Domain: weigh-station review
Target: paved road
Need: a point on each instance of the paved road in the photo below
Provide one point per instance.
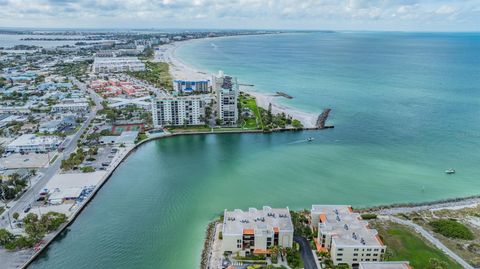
(433, 240)
(306, 252)
(30, 195)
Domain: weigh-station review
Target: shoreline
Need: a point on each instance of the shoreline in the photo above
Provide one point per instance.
(182, 71)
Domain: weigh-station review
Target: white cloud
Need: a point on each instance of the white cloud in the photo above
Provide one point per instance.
(446, 9)
(238, 13)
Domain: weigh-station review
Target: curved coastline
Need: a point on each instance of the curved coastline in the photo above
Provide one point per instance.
(182, 70)
(435, 204)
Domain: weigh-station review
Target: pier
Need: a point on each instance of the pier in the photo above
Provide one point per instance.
(247, 85)
(282, 94)
(322, 118)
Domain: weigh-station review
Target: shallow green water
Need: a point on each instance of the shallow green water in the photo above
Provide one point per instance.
(406, 107)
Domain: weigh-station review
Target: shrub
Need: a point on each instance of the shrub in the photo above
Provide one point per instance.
(451, 228)
(368, 216)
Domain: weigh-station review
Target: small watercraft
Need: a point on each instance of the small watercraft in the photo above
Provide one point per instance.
(310, 139)
(450, 171)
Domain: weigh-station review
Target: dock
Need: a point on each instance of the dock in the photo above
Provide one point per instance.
(322, 118)
(282, 94)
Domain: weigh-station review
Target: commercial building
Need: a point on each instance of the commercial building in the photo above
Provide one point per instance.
(186, 86)
(255, 231)
(33, 143)
(226, 90)
(178, 111)
(384, 265)
(345, 235)
(117, 64)
(70, 107)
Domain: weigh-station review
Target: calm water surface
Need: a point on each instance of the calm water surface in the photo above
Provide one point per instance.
(406, 107)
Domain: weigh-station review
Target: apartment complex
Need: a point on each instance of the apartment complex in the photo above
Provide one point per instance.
(71, 107)
(117, 64)
(226, 90)
(345, 235)
(179, 110)
(255, 231)
(187, 86)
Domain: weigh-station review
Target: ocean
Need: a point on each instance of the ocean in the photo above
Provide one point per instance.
(406, 106)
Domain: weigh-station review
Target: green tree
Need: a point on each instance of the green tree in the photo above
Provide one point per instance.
(15, 215)
(5, 237)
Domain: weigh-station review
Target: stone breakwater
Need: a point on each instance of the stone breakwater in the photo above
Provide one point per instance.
(208, 244)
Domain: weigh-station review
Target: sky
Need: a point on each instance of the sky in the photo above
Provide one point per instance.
(385, 15)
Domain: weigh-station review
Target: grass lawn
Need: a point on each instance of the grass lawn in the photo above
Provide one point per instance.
(251, 103)
(405, 245)
(189, 129)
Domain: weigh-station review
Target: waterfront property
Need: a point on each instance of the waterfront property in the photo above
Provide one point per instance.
(345, 236)
(187, 86)
(33, 143)
(117, 64)
(179, 111)
(256, 231)
(226, 90)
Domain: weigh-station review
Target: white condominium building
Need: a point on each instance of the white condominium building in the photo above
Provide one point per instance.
(226, 89)
(33, 143)
(255, 231)
(117, 64)
(384, 265)
(345, 235)
(179, 110)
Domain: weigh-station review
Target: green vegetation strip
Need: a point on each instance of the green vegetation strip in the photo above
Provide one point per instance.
(155, 73)
(404, 245)
(452, 229)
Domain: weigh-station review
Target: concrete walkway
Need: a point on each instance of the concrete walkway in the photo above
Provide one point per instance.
(432, 240)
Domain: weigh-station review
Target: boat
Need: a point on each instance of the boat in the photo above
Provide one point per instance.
(450, 171)
(310, 139)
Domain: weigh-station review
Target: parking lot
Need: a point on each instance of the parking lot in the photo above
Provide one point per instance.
(31, 160)
(103, 158)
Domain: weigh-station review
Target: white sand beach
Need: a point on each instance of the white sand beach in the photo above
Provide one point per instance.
(181, 70)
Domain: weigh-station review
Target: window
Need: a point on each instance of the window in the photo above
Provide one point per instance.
(339, 249)
(355, 260)
(355, 254)
(340, 254)
(367, 260)
(355, 249)
(368, 254)
(339, 259)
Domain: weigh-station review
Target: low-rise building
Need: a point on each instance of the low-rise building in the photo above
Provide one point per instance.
(343, 234)
(179, 110)
(256, 231)
(33, 143)
(117, 64)
(70, 107)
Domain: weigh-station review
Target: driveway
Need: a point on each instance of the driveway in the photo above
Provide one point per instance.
(306, 252)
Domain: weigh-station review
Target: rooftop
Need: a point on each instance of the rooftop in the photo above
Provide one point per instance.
(256, 221)
(347, 228)
(384, 265)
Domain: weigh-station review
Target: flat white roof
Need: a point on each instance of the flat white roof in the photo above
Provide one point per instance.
(33, 140)
(384, 265)
(65, 193)
(258, 220)
(346, 227)
(75, 180)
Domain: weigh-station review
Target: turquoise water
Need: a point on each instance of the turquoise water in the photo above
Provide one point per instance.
(405, 108)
